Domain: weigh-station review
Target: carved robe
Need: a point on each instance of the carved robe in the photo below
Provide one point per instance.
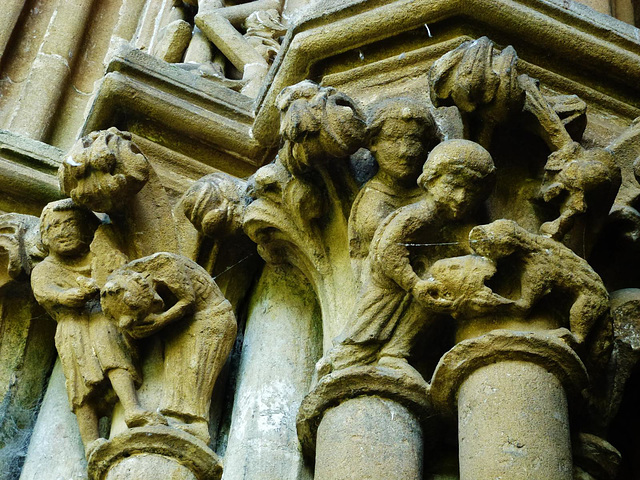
(88, 343)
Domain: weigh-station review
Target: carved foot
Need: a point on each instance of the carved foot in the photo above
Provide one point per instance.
(143, 418)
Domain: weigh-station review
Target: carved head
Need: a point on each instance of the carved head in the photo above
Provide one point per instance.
(66, 228)
(402, 131)
(128, 297)
(215, 204)
(317, 122)
(458, 174)
(498, 239)
(104, 170)
(460, 281)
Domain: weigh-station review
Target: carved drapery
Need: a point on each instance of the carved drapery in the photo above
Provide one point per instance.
(477, 236)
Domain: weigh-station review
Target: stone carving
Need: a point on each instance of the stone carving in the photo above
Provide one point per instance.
(173, 295)
(457, 175)
(307, 185)
(215, 205)
(401, 133)
(107, 307)
(91, 348)
(104, 170)
(20, 247)
(489, 91)
(537, 257)
(251, 52)
(481, 82)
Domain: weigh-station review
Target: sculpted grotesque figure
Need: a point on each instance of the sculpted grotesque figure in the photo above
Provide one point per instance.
(538, 258)
(172, 296)
(457, 176)
(93, 351)
(402, 131)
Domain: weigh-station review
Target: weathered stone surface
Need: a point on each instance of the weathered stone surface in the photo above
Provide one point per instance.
(435, 196)
(369, 434)
(273, 378)
(513, 422)
(162, 450)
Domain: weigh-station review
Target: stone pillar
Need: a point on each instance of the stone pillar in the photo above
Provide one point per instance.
(511, 391)
(282, 342)
(365, 422)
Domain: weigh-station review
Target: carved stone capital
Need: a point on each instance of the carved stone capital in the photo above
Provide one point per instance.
(165, 451)
(546, 349)
(409, 390)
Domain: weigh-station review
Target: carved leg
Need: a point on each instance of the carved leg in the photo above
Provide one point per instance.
(134, 414)
(88, 425)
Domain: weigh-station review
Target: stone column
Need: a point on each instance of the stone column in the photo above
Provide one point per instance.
(511, 390)
(365, 422)
(282, 342)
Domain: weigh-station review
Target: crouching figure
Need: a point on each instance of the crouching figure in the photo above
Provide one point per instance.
(172, 296)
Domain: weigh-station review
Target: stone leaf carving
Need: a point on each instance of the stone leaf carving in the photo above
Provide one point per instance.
(215, 205)
(481, 82)
(489, 91)
(106, 172)
(173, 297)
(301, 201)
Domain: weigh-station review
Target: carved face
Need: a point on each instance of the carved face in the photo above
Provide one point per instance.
(66, 233)
(128, 298)
(400, 148)
(456, 194)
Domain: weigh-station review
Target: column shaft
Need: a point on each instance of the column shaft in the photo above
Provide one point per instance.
(513, 424)
(369, 437)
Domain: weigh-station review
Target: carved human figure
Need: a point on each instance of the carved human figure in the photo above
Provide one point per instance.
(457, 176)
(402, 131)
(172, 296)
(220, 23)
(92, 349)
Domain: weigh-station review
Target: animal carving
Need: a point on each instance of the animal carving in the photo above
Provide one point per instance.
(546, 266)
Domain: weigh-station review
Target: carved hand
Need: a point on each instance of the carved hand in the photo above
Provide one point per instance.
(146, 327)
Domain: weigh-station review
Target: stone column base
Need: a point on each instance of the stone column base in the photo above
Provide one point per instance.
(154, 452)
